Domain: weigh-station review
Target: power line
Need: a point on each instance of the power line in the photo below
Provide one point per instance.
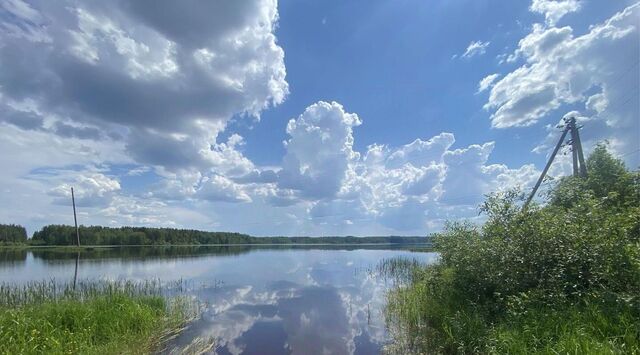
(631, 152)
(619, 104)
(619, 76)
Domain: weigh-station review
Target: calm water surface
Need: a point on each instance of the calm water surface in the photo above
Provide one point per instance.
(256, 300)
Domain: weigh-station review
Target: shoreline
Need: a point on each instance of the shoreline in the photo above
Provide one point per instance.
(92, 247)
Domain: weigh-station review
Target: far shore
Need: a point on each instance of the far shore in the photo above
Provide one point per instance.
(90, 247)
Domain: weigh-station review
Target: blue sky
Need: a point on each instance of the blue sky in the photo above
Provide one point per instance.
(391, 63)
(301, 117)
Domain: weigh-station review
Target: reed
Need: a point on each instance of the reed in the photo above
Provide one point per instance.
(94, 317)
(397, 269)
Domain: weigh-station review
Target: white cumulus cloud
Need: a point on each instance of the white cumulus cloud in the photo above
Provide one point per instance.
(319, 151)
(92, 189)
(413, 187)
(597, 69)
(554, 10)
(560, 68)
(147, 72)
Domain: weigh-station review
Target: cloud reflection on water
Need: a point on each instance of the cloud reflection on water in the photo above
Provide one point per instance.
(264, 301)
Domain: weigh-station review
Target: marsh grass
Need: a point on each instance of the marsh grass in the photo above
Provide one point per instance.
(12, 295)
(99, 317)
(397, 269)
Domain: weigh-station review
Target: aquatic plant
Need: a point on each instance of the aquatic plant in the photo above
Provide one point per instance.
(397, 269)
(89, 317)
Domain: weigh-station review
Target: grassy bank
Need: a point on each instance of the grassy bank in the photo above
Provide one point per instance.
(559, 278)
(90, 318)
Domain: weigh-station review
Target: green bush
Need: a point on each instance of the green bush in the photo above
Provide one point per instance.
(559, 278)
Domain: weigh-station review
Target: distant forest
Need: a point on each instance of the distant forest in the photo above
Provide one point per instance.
(97, 235)
(12, 234)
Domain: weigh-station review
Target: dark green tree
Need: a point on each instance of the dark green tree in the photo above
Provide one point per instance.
(12, 234)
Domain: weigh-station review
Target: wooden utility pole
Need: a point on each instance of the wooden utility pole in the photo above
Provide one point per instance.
(75, 219)
(574, 153)
(579, 167)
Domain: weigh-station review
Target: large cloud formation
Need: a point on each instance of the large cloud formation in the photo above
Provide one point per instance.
(154, 72)
(105, 96)
(319, 151)
(150, 83)
(160, 82)
(597, 70)
(404, 188)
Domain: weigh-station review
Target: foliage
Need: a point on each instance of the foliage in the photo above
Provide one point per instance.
(95, 317)
(558, 278)
(97, 235)
(608, 180)
(12, 234)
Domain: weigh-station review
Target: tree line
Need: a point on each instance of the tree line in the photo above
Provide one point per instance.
(98, 235)
(12, 234)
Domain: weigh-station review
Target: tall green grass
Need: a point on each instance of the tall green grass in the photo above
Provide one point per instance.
(397, 269)
(429, 316)
(91, 317)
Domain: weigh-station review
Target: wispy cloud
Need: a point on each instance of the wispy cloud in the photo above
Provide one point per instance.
(475, 48)
(487, 82)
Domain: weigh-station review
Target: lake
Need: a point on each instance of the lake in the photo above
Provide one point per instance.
(254, 300)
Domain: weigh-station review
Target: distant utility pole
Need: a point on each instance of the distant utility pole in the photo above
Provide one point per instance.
(579, 166)
(75, 219)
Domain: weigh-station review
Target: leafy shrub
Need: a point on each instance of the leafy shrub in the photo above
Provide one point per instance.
(563, 277)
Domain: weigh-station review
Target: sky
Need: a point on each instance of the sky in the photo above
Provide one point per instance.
(300, 117)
